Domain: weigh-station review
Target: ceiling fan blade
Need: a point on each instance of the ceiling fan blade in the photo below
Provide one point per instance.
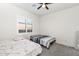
(48, 3)
(46, 7)
(39, 7)
(40, 3)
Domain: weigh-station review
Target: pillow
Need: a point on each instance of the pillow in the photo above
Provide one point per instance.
(20, 37)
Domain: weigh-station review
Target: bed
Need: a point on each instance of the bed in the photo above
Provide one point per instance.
(44, 40)
(21, 47)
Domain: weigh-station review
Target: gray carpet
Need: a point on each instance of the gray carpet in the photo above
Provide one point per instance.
(59, 50)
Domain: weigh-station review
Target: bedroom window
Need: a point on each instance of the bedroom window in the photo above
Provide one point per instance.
(28, 25)
(21, 25)
(24, 25)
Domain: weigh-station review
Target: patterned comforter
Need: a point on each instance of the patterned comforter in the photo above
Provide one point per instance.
(19, 48)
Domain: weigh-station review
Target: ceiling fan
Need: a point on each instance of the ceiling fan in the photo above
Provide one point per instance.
(43, 5)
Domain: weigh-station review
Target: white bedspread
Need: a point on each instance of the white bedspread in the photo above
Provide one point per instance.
(46, 41)
(19, 48)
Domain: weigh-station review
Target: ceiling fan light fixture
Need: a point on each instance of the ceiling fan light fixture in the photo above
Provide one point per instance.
(43, 6)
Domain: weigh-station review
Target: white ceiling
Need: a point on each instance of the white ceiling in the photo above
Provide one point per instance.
(31, 7)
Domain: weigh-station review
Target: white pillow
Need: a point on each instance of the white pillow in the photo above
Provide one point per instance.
(18, 38)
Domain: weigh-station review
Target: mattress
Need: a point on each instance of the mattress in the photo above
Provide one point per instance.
(19, 48)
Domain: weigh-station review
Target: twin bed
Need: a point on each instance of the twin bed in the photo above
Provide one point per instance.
(21, 47)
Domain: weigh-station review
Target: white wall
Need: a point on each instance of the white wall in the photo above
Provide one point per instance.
(8, 16)
(63, 25)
